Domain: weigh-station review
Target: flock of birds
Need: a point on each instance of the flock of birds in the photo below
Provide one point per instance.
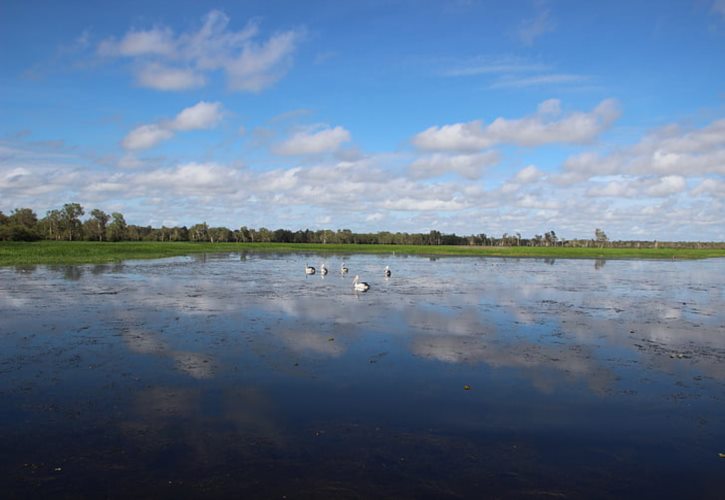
(357, 285)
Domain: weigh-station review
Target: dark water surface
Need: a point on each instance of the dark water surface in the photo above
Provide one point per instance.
(239, 376)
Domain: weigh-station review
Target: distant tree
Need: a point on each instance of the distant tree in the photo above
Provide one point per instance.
(600, 237)
(117, 229)
(180, 234)
(434, 237)
(21, 225)
(550, 238)
(243, 234)
(51, 225)
(3, 218)
(71, 221)
(95, 227)
(23, 217)
(199, 232)
(220, 235)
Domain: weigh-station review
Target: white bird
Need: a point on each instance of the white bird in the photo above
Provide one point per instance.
(343, 269)
(360, 286)
(387, 271)
(323, 269)
(309, 269)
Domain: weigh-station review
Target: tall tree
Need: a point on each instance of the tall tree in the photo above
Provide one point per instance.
(97, 224)
(71, 214)
(600, 237)
(117, 229)
(52, 225)
(23, 217)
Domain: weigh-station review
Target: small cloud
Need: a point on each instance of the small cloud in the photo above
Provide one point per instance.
(156, 41)
(528, 174)
(146, 136)
(309, 142)
(160, 77)
(261, 65)
(668, 185)
(202, 115)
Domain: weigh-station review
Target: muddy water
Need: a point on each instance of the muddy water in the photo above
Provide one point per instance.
(237, 375)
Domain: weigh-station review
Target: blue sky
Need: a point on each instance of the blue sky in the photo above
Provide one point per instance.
(462, 116)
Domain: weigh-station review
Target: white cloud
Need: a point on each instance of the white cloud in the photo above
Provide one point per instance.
(535, 130)
(167, 61)
(614, 189)
(313, 142)
(202, 115)
(669, 151)
(192, 179)
(528, 174)
(665, 186)
(261, 65)
(146, 136)
(156, 41)
(470, 166)
(710, 187)
(160, 77)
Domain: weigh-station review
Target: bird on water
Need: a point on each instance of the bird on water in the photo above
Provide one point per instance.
(309, 269)
(360, 286)
(387, 272)
(323, 269)
(343, 269)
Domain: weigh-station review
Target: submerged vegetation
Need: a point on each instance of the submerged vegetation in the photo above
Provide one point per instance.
(81, 252)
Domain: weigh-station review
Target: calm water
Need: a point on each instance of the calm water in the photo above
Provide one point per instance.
(239, 376)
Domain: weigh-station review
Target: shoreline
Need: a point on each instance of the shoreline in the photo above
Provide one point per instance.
(89, 252)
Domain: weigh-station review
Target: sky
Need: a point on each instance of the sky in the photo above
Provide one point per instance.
(461, 116)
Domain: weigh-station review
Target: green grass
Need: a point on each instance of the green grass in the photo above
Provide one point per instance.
(86, 252)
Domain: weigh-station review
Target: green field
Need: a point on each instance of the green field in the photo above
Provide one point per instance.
(86, 252)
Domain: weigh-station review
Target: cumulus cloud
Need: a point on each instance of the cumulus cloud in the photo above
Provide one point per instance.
(470, 166)
(197, 179)
(146, 136)
(669, 151)
(667, 185)
(528, 174)
(164, 60)
(203, 115)
(313, 141)
(544, 127)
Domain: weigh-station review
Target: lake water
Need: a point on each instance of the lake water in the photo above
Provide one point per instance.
(237, 375)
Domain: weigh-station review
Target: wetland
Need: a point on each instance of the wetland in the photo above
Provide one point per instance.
(237, 375)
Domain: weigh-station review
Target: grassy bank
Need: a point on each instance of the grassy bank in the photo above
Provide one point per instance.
(86, 252)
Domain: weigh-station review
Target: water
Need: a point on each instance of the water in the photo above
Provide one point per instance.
(237, 375)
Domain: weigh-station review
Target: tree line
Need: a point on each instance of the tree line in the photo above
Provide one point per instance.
(66, 223)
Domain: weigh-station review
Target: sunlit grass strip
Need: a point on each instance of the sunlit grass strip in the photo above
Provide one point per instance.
(87, 252)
